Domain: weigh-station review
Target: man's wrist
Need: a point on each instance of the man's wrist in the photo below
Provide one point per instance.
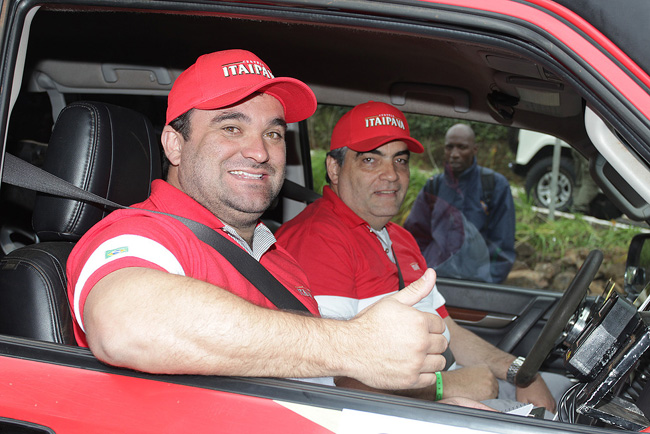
(513, 369)
(438, 386)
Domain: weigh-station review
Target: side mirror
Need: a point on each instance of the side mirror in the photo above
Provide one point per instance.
(637, 269)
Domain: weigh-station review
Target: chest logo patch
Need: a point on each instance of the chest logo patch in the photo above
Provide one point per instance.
(415, 266)
(303, 291)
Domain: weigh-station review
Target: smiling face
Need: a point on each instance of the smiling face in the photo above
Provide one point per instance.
(233, 162)
(373, 184)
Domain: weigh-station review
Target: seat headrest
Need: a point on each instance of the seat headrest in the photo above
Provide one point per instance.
(105, 149)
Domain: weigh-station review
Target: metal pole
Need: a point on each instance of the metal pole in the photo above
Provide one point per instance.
(555, 171)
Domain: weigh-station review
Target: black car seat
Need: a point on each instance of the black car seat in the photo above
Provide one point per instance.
(108, 150)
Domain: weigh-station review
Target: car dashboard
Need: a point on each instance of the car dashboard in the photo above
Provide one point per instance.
(608, 358)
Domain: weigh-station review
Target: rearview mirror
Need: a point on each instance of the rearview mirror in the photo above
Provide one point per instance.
(637, 270)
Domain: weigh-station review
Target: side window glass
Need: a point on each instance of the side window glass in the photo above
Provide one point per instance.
(462, 218)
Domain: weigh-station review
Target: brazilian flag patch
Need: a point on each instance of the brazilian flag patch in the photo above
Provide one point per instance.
(113, 252)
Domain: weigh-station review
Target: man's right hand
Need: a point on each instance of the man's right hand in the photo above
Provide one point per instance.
(474, 382)
(399, 346)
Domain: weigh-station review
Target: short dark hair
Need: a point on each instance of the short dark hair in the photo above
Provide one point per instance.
(182, 125)
(338, 155)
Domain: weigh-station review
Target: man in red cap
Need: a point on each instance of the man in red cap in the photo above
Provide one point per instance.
(147, 294)
(354, 255)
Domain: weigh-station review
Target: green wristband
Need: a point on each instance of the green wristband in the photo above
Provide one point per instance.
(438, 386)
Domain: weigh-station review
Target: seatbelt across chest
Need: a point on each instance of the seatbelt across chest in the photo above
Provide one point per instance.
(252, 270)
(22, 174)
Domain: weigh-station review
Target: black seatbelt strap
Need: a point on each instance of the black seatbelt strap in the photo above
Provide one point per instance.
(399, 272)
(252, 270)
(22, 174)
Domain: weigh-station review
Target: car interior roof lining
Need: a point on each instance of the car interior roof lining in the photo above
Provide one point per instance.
(478, 50)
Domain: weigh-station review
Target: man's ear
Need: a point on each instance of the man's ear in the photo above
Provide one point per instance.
(172, 143)
(333, 170)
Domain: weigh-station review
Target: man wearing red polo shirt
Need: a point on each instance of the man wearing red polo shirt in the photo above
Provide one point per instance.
(354, 255)
(147, 294)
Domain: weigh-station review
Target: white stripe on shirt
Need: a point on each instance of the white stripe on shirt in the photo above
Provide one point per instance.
(120, 247)
(337, 307)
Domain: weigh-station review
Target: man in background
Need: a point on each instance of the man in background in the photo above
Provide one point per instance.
(464, 218)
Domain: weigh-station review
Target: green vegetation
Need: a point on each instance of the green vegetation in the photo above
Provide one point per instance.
(318, 169)
(551, 239)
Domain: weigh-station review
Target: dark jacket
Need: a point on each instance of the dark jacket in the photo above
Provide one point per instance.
(440, 233)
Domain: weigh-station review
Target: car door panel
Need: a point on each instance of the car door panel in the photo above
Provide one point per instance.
(47, 387)
(508, 317)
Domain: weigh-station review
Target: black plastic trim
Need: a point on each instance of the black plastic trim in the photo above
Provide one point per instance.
(14, 426)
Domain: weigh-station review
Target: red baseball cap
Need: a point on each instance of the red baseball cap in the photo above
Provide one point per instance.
(371, 125)
(226, 77)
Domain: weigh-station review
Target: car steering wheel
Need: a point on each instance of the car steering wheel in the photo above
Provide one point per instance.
(566, 306)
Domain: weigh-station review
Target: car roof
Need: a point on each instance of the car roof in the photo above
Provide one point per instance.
(622, 24)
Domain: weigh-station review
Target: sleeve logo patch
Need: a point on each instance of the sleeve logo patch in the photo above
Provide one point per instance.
(115, 252)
